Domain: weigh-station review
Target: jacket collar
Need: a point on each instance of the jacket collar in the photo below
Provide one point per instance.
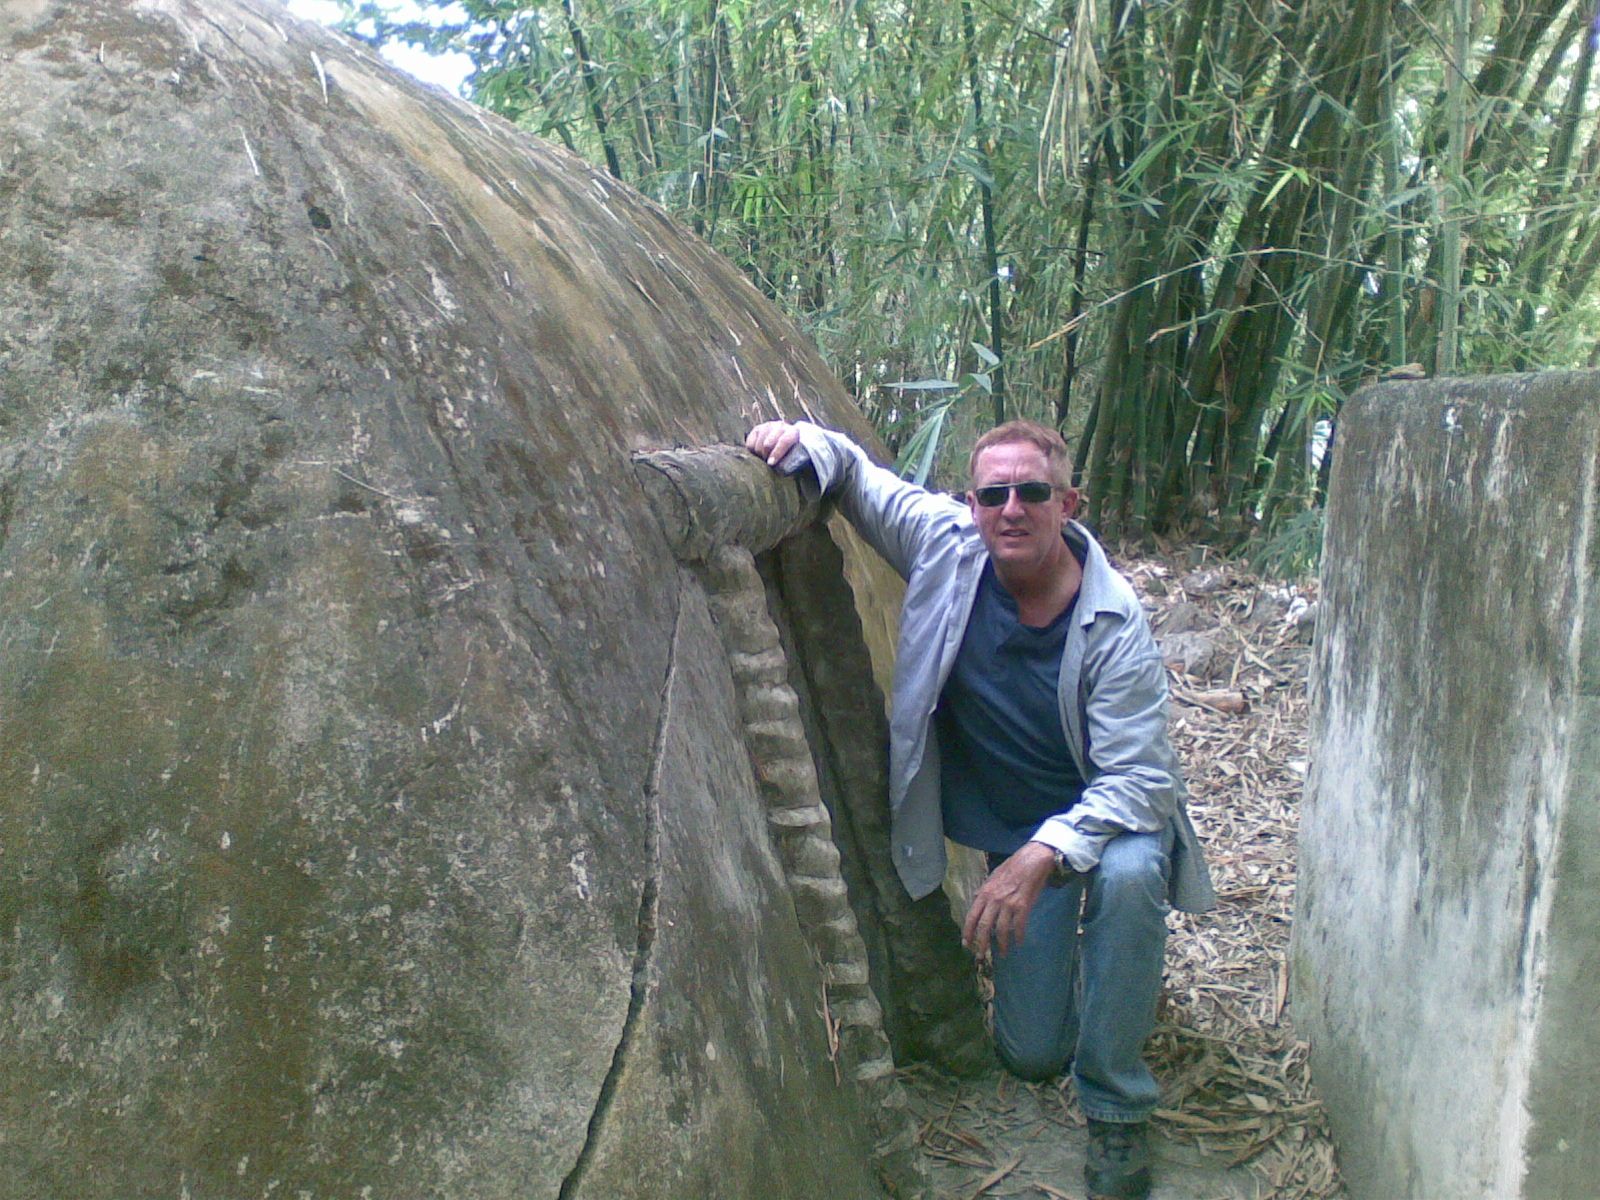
(1102, 589)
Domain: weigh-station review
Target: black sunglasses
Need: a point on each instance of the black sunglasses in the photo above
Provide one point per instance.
(1032, 492)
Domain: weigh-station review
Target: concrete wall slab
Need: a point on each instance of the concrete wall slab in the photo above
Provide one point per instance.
(1448, 924)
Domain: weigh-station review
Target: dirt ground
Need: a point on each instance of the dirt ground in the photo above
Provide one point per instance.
(1239, 1119)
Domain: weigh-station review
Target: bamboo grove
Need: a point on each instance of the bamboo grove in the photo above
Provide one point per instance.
(1181, 231)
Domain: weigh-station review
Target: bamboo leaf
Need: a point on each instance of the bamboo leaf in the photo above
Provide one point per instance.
(1296, 173)
(916, 460)
(1140, 165)
(923, 385)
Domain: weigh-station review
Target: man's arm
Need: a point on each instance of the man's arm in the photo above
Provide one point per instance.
(1135, 786)
(899, 519)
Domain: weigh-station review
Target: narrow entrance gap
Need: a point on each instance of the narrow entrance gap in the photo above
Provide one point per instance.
(922, 977)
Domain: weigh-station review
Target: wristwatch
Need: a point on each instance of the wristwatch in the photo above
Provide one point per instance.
(1063, 869)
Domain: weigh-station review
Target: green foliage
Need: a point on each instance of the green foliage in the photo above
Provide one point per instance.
(1293, 550)
(1182, 233)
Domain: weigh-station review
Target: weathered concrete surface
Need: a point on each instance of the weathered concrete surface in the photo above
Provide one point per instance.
(1447, 939)
(371, 803)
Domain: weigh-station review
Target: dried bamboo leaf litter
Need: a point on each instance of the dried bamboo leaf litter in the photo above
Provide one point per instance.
(1235, 1078)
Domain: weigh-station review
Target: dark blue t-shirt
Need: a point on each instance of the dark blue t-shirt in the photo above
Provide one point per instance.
(1003, 754)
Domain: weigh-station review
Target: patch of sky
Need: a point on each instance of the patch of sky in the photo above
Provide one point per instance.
(448, 71)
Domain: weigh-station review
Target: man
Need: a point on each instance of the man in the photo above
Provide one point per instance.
(1029, 721)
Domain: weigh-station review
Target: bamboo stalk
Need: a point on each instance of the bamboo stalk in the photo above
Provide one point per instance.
(591, 85)
(1452, 196)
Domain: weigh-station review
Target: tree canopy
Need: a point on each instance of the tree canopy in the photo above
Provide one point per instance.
(1181, 232)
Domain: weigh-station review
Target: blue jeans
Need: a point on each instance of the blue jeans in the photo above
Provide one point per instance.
(1089, 997)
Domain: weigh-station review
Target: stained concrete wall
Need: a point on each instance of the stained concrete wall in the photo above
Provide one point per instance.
(1447, 939)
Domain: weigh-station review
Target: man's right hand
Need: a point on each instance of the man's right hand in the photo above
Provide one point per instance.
(999, 913)
(772, 440)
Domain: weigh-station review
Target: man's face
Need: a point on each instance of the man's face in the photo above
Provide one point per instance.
(1019, 534)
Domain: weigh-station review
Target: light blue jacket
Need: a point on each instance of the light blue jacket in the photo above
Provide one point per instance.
(1112, 691)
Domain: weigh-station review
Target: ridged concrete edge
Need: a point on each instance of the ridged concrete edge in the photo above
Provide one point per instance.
(802, 834)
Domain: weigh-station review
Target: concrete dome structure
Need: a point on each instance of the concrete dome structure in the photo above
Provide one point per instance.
(377, 813)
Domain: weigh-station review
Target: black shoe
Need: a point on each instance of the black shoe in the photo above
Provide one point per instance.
(1118, 1167)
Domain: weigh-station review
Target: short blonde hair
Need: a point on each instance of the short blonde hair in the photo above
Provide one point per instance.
(1045, 439)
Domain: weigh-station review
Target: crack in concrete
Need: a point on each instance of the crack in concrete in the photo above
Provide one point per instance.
(649, 902)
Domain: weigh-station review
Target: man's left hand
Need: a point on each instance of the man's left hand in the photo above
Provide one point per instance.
(1000, 909)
